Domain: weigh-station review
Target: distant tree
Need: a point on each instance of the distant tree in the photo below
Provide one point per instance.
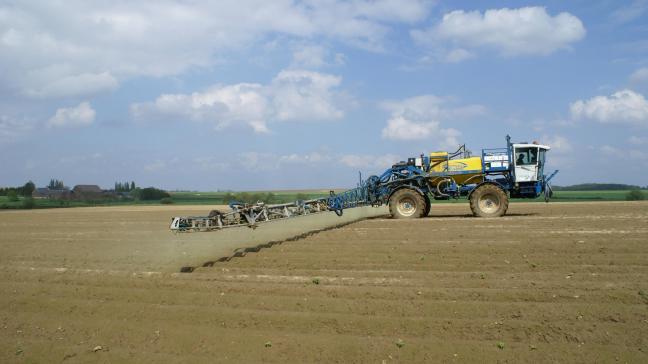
(136, 193)
(12, 195)
(228, 197)
(243, 197)
(635, 195)
(28, 188)
(152, 193)
(255, 197)
(55, 184)
(124, 186)
(596, 187)
(269, 198)
(28, 203)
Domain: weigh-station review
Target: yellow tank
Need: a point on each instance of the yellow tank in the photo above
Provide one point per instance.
(460, 169)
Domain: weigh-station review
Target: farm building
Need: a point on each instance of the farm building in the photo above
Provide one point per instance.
(42, 192)
(87, 192)
(45, 192)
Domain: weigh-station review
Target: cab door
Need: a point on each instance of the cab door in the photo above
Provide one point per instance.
(541, 161)
(526, 164)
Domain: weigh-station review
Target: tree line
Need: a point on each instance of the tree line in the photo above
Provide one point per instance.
(56, 184)
(125, 186)
(267, 197)
(24, 190)
(598, 187)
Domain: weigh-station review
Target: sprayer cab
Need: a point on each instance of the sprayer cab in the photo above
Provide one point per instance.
(529, 162)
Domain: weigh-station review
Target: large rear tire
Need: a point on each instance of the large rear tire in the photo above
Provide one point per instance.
(428, 206)
(406, 204)
(489, 200)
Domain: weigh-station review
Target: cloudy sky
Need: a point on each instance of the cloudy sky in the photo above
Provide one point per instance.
(256, 94)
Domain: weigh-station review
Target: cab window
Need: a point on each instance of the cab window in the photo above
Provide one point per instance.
(526, 156)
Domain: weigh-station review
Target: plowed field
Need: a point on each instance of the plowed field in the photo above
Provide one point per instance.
(564, 282)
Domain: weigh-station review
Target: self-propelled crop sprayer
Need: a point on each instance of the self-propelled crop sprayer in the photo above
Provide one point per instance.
(408, 188)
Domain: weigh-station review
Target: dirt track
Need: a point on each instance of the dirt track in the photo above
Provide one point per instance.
(548, 283)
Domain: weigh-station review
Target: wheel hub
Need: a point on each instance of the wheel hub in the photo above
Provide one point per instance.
(489, 203)
(406, 207)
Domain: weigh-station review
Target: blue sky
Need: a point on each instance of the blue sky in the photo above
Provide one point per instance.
(304, 94)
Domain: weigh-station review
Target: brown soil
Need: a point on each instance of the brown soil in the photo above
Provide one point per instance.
(137, 238)
(547, 283)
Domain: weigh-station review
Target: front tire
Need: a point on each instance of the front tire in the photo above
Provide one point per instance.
(489, 200)
(406, 204)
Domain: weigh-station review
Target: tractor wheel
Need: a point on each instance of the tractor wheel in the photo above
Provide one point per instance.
(488, 201)
(406, 204)
(428, 205)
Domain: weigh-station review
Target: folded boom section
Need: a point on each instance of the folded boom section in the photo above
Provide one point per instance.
(251, 215)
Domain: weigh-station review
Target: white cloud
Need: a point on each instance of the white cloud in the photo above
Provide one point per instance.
(630, 12)
(305, 95)
(559, 144)
(637, 140)
(309, 158)
(420, 117)
(222, 105)
(11, 129)
(640, 75)
(522, 31)
(623, 154)
(293, 95)
(78, 159)
(458, 55)
(399, 128)
(57, 49)
(369, 161)
(389, 10)
(80, 115)
(312, 56)
(211, 164)
(82, 84)
(255, 161)
(315, 56)
(561, 155)
(339, 59)
(624, 106)
(607, 149)
(155, 166)
(432, 107)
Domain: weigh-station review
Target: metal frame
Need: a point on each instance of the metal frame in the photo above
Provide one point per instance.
(250, 215)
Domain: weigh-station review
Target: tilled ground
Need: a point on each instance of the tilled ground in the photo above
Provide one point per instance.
(547, 283)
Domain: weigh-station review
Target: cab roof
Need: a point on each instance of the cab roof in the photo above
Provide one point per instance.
(525, 145)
